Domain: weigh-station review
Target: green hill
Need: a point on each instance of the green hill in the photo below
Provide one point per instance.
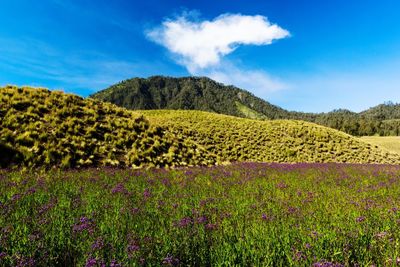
(239, 139)
(200, 93)
(39, 127)
(188, 93)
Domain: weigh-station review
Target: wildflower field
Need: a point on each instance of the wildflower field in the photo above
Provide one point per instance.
(247, 214)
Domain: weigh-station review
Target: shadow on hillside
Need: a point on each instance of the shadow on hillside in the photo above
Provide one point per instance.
(8, 155)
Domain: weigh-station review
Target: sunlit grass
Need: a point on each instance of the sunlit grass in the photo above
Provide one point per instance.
(390, 143)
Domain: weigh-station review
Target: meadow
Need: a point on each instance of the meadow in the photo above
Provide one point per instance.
(390, 143)
(243, 214)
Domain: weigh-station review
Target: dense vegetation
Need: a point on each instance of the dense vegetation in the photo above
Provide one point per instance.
(238, 215)
(205, 94)
(239, 139)
(43, 128)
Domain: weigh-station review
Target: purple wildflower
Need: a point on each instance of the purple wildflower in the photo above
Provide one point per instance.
(135, 210)
(327, 264)
(84, 224)
(119, 188)
(98, 244)
(170, 261)
(16, 197)
(26, 262)
(146, 193)
(282, 185)
(30, 191)
(360, 219)
(184, 222)
(3, 255)
(114, 263)
(91, 262)
(202, 219)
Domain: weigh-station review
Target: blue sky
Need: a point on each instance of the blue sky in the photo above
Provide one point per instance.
(301, 55)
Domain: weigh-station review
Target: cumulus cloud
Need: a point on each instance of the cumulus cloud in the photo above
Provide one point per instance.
(199, 45)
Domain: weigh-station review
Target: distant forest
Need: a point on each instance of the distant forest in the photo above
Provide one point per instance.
(201, 93)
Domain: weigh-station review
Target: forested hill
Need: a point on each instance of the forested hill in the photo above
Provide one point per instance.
(189, 93)
(201, 93)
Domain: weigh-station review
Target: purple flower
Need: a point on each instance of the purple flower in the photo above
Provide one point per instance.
(98, 244)
(264, 217)
(282, 185)
(360, 219)
(30, 191)
(91, 262)
(48, 206)
(3, 255)
(202, 219)
(135, 210)
(84, 224)
(26, 262)
(184, 222)
(114, 263)
(146, 193)
(327, 264)
(119, 188)
(16, 197)
(170, 261)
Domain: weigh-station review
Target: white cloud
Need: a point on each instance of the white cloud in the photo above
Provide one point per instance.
(202, 44)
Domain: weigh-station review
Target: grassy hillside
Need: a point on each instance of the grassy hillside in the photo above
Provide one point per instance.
(238, 139)
(39, 127)
(390, 143)
(43, 128)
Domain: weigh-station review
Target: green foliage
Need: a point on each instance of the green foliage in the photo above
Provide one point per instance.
(193, 93)
(46, 128)
(239, 139)
(237, 215)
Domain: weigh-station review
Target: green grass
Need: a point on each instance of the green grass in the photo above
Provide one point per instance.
(248, 112)
(239, 139)
(237, 215)
(390, 143)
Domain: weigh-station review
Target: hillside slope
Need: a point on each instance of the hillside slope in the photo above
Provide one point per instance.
(239, 139)
(39, 127)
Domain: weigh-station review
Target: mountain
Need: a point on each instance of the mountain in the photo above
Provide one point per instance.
(188, 93)
(42, 128)
(201, 93)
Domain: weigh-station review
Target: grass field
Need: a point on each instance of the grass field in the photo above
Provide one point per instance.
(243, 214)
(238, 139)
(390, 143)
